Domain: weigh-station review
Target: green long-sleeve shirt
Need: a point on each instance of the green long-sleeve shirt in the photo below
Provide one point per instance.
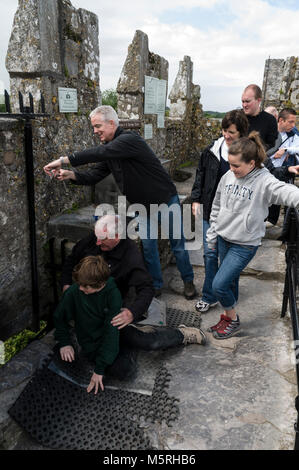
(92, 315)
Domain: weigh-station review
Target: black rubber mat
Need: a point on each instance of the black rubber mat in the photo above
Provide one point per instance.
(175, 317)
(59, 414)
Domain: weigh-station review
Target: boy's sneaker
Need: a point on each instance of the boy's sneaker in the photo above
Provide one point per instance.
(225, 328)
(202, 306)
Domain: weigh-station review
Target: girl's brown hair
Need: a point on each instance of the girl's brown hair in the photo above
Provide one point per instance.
(250, 148)
(92, 271)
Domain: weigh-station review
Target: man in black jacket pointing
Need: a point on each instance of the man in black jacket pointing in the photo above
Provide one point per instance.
(140, 177)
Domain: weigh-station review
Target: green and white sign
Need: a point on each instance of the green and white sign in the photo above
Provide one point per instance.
(68, 100)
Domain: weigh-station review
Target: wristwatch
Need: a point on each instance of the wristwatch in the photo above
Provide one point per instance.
(61, 161)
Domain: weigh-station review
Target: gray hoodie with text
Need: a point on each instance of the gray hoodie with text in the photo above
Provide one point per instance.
(240, 206)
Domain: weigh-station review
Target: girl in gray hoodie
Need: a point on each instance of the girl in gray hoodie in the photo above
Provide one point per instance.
(239, 210)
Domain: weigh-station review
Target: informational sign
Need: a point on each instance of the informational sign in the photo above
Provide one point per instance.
(160, 121)
(150, 93)
(154, 95)
(161, 96)
(148, 131)
(68, 100)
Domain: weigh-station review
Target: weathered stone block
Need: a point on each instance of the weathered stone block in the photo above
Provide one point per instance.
(130, 88)
(281, 83)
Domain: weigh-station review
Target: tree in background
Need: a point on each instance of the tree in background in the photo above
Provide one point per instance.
(109, 97)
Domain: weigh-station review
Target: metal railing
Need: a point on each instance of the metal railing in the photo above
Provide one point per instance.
(290, 236)
(27, 114)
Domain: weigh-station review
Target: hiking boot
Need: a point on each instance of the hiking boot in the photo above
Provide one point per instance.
(192, 335)
(223, 319)
(226, 328)
(202, 306)
(189, 290)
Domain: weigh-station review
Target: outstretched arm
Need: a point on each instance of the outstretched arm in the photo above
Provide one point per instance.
(51, 169)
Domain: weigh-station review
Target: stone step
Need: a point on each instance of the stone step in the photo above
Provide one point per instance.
(73, 226)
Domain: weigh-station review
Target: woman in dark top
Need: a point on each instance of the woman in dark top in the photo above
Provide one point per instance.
(213, 164)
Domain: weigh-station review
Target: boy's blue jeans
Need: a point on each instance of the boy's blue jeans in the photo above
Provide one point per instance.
(177, 244)
(233, 259)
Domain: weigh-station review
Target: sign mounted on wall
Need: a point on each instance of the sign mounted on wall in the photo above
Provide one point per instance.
(154, 95)
(68, 100)
(148, 131)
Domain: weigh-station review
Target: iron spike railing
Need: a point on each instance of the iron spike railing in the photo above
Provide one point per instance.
(27, 114)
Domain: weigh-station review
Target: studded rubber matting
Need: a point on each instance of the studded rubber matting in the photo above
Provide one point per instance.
(175, 317)
(60, 414)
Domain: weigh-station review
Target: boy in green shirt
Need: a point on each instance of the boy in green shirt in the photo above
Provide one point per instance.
(91, 302)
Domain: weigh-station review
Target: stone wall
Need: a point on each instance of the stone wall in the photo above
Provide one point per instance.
(281, 83)
(186, 131)
(52, 45)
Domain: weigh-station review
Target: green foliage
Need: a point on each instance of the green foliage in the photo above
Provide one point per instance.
(2, 108)
(109, 97)
(213, 114)
(18, 342)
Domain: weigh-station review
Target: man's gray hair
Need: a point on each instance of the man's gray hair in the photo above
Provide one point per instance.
(107, 112)
(109, 226)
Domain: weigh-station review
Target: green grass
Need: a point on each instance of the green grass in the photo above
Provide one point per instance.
(214, 114)
(18, 342)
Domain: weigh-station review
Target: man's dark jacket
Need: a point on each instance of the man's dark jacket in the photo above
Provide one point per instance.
(138, 172)
(126, 266)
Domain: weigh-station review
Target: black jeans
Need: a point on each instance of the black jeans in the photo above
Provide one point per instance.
(151, 338)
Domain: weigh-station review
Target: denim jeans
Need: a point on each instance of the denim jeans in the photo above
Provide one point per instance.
(211, 267)
(233, 259)
(177, 244)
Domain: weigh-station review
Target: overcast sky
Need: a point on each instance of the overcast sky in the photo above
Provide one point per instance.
(227, 40)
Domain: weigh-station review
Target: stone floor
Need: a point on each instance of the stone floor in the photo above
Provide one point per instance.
(233, 394)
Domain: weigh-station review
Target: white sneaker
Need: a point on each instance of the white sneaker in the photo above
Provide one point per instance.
(202, 306)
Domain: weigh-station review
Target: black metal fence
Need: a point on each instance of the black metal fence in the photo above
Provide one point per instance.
(27, 114)
(290, 236)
